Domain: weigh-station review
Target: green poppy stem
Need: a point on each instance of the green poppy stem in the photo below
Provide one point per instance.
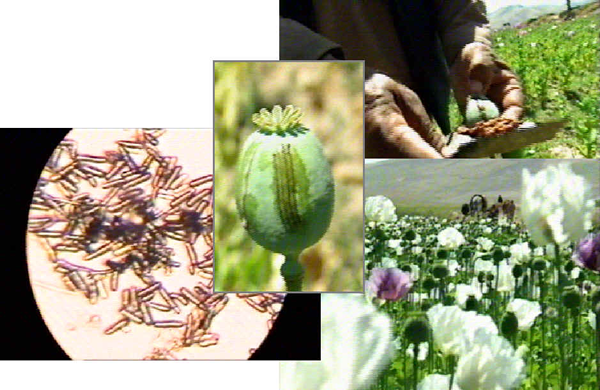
(597, 343)
(543, 304)
(415, 366)
(451, 372)
(561, 319)
(574, 353)
(292, 272)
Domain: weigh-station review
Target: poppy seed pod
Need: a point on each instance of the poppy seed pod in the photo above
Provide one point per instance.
(429, 283)
(539, 264)
(480, 108)
(410, 235)
(498, 255)
(509, 324)
(285, 188)
(471, 304)
(517, 271)
(571, 298)
(416, 330)
(440, 271)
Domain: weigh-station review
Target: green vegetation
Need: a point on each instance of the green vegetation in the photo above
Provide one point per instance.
(557, 62)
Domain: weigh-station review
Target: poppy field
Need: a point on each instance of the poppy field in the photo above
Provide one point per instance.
(556, 59)
(483, 301)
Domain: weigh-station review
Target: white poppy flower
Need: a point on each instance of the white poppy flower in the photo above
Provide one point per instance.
(525, 311)
(483, 265)
(520, 252)
(387, 262)
(522, 351)
(450, 238)
(356, 344)
(481, 287)
(437, 382)
(393, 243)
(452, 327)
(453, 267)
(416, 250)
(418, 297)
(591, 317)
(487, 230)
(447, 327)
(485, 243)
(380, 209)
(539, 251)
(555, 205)
(506, 280)
(490, 364)
(464, 291)
(575, 272)
(415, 272)
(422, 353)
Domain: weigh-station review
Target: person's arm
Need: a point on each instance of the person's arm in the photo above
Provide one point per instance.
(474, 69)
(298, 42)
(397, 125)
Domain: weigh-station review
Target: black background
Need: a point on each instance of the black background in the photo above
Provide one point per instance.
(24, 335)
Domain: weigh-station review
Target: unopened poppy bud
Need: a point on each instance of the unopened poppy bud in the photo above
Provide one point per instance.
(429, 284)
(517, 271)
(571, 297)
(440, 271)
(539, 264)
(410, 235)
(509, 324)
(498, 255)
(481, 277)
(416, 330)
(471, 304)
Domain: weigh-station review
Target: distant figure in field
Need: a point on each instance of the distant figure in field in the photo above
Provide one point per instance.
(478, 204)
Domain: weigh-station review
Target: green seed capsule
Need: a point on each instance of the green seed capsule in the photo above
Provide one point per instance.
(480, 108)
(285, 188)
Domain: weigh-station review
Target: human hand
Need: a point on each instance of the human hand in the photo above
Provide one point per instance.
(397, 125)
(477, 71)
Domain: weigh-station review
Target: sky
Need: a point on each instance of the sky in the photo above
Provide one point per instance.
(493, 5)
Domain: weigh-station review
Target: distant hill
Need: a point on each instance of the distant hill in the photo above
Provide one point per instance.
(515, 14)
(439, 187)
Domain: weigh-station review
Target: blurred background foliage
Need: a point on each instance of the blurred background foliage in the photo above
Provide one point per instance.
(330, 95)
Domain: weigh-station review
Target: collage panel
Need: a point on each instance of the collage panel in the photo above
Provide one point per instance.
(453, 79)
(120, 254)
(479, 275)
(289, 176)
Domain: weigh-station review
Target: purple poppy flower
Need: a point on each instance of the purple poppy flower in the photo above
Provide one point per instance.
(389, 283)
(587, 253)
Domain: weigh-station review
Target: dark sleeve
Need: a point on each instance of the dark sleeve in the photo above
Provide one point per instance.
(297, 42)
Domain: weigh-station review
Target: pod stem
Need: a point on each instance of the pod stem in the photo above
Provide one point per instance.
(292, 272)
